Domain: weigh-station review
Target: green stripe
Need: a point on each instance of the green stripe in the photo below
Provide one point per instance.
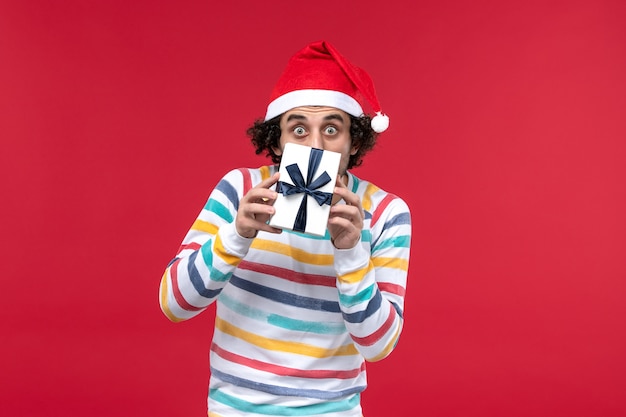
(394, 242)
(366, 235)
(306, 326)
(309, 236)
(281, 321)
(207, 256)
(277, 410)
(219, 209)
(355, 183)
(352, 300)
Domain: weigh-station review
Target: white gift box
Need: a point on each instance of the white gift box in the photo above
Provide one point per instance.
(298, 205)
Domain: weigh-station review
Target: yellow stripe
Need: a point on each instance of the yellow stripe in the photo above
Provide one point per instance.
(367, 196)
(388, 348)
(203, 226)
(297, 254)
(282, 346)
(355, 276)
(397, 263)
(225, 256)
(164, 305)
(212, 414)
(265, 172)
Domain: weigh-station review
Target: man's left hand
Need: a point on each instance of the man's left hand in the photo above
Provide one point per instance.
(346, 220)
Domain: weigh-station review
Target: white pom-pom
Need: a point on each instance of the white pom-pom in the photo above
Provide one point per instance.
(380, 122)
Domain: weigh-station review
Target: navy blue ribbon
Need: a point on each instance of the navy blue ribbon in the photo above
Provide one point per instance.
(310, 187)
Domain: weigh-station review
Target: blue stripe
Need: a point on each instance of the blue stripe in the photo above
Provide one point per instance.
(281, 321)
(398, 309)
(286, 391)
(285, 297)
(196, 280)
(229, 191)
(397, 220)
(372, 307)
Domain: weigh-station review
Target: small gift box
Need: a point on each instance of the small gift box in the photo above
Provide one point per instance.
(305, 189)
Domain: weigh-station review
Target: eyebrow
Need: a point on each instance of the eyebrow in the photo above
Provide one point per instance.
(333, 116)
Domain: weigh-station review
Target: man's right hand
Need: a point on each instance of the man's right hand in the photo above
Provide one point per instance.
(256, 208)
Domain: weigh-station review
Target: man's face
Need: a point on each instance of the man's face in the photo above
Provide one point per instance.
(319, 127)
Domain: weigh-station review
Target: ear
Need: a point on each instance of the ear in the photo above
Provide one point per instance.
(277, 151)
(354, 149)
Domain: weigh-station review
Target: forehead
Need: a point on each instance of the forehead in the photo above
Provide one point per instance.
(315, 112)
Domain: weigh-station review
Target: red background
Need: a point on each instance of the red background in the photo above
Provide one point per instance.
(507, 140)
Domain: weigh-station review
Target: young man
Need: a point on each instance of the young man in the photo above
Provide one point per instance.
(298, 315)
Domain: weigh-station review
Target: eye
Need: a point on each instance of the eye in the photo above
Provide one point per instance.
(299, 131)
(330, 130)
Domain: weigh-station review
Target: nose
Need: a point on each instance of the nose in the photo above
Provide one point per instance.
(315, 140)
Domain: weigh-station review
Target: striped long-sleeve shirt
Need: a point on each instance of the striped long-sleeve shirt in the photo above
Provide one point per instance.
(296, 318)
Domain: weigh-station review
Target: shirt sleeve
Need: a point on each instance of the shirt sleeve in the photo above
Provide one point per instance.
(372, 284)
(208, 255)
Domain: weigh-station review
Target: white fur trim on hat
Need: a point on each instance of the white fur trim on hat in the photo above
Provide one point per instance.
(300, 98)
(380, 122)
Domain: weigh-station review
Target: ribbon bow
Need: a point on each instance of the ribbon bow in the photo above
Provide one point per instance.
(310, 187)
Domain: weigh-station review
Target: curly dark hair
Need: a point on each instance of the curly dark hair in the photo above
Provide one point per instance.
(265, 135)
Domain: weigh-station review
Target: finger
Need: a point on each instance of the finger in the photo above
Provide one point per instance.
(342, 222)
(261, 196)
(250, 227)
(253, 217)
(261, 192)
(353, 217)
(343, 233)
(353, 214)
(261, 211)
(348, 196)
(270, 229)
(268, 182)
(258, 224)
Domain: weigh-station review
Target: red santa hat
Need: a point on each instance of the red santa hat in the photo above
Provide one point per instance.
(318, 75)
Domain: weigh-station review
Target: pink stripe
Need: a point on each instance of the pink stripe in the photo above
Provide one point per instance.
(289, 275)
(192, 246)
(283, 370)
(375, 337)
(177, 294)
(392, 288)
(247, 180)
(381, 207)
